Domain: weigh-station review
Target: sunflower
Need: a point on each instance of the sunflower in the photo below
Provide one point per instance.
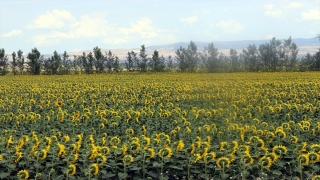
(269, 136)
(272, 156)
(145, 142)
(1, 157)
(209, 157)
(315, 148)
(150, 153)
(23, 174)
(17, 156)
(101, 159)
(196, 157)
(72, 170)
(313, 157)
(303, 159)
(316, 177)
(62, 150)
(129, 132)
(280, 133)
(114, 141)
(223, 162)
(105, 150)
(223, 145)
(94, 169)
(246, 159)
(279, 150)
(58, 103)
(20, 143)
(293, 139)
(180, 145)
(73, 158)
(265, 162)
(43, 154)
(165, 152)
(127, 160)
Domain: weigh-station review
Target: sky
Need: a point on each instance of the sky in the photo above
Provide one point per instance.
(74, 25)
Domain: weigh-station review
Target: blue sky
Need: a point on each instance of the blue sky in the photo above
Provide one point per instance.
(81, 25)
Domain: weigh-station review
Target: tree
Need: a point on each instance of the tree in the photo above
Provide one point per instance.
(181, 59)
(98, 60)
(87, 62)
(158, 63)
(192, 56)
(234, 59)
(209, 58)
(20, 61)
(251, 58)
(290, 54)
(130, 62)
(116, 65)
(35, 61)
(110, 60)
(65, 64)
(170, 63)
(14, 63)
(143, 62)
(3, 62)
(55, 62)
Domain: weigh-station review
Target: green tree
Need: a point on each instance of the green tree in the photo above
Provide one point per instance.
(192, 56)
(20, 61)
(210, 58)
(116, 65)
(110, 60)
(251, 58)
(158, 63)
(170, 63)
(129, 62)
(14, 63)
(35, 61)
(65, 64)
(3, 62)
(234, 59)
(181, 59)
(143, 62)
(87, 62)
(98, 60)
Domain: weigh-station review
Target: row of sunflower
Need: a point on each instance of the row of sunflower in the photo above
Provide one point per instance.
(160, 126)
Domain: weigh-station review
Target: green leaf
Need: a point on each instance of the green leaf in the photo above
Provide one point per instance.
(277, 172)
(176, 167)
(3, 175)
(153, 174)
(224, 176)
(156, 164)
(135, 168)
(12, 166)
(109, 175)
(122, 175)
(245, 174)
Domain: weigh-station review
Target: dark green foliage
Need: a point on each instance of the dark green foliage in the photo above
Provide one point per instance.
(20, 61)
(14, 63)
(158, 63)
(110, 61)
(3, 62)
(209, 58)
(98, 60)
(116, 65)
(87, 62)
(143, 62)
(35, 61)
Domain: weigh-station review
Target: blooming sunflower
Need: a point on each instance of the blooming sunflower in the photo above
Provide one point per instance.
(246, 159)
(279, 150)
(165, 152)
(150, 153)
(23, 175)
(72, 170)
(265, 162)
(94, 169)
(313, 157)
(316, 177)
(180, 145)
(73, 157)
(17, 156)
(223, 162)
(207, 157)
(101, 159)
(114, 141)
(127, 160)
(303, 159)
(196, 157)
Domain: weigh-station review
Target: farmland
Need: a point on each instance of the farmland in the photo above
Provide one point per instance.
(160, 126)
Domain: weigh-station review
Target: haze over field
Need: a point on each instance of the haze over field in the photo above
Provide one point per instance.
(74, 26)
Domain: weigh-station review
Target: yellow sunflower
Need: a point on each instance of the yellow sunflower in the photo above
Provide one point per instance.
(223, 162)
(23, 175)
(72, 170)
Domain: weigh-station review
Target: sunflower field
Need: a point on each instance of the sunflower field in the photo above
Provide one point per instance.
(160, 126)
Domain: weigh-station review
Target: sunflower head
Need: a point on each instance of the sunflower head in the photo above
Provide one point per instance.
(71, 170)
(165, 152)
(313, 157)
(223, 162)
(246, 159)
(265, 162)
(23, 174)
(303, 159)
(94, 169)
(279, 150)
(127, 160)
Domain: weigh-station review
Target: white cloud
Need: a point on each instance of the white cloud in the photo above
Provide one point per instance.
(12, 33)
(54, 19)
(271, 12)
(311, 15)
(230, 26)
(189, 20)
(295, 5)
(96, 27)
(211, 35)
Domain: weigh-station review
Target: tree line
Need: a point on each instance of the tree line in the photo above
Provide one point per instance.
(273, 56)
